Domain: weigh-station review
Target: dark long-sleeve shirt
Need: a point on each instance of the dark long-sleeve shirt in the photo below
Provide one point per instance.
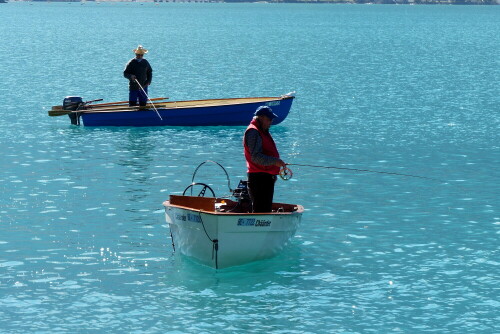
(254, 143)
(141, 69)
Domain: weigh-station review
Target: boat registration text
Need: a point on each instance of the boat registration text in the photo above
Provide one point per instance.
(253, 222)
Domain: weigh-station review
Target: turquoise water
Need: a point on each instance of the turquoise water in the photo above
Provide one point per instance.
(408, 89)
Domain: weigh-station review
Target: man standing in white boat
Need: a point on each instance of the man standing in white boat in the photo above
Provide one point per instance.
(263, 160)
(139, 73)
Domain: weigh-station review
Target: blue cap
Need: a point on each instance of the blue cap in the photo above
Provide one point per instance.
(265, 111)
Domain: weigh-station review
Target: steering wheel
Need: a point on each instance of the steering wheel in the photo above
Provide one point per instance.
(203, 189)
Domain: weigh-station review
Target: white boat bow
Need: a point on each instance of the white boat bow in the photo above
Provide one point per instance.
(215, 233)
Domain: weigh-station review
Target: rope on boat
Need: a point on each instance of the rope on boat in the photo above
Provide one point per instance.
(172, 237)
(215, 242)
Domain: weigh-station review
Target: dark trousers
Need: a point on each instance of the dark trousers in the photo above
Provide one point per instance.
(261, 191)
(138, 94)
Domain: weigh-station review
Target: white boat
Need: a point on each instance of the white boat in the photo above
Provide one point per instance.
(206, 229)
(220, 233)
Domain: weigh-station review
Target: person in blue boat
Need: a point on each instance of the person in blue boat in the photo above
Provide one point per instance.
(262, 158)
(138, 69)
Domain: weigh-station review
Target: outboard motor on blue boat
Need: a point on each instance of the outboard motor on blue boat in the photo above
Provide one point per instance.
(73, 103)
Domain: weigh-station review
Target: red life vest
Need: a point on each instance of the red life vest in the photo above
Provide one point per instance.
(268, 148)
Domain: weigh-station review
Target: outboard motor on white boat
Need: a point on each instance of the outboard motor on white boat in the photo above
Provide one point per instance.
(73, 103)
(243, 197)
(241, 191)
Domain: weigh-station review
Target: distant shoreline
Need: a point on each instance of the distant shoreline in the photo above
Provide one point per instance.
(360, 2)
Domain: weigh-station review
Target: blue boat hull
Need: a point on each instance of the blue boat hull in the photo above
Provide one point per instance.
(223, 114)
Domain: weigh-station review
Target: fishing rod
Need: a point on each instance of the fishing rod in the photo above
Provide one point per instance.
(148, 99)
(286, 173)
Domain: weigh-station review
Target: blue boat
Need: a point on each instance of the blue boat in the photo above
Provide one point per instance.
(158, 112)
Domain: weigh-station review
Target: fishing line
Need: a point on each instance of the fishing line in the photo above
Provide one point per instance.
(288, 171)
(149, 99)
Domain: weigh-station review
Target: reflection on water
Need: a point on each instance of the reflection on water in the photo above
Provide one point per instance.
(84, 245)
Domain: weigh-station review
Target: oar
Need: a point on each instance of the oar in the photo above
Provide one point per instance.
(122, 102)
(114, 109)
(59, 111)
(124, 108)
(108, 108)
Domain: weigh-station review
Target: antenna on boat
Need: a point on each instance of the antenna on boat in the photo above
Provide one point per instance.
(149, 99)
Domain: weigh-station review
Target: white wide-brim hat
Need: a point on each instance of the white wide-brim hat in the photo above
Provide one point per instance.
(140, 50)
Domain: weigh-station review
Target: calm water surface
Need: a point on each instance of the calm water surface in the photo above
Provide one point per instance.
(408, 89)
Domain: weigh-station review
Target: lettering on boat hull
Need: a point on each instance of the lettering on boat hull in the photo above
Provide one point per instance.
(253, 222)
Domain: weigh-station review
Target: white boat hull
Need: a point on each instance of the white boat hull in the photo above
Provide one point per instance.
(222, 239)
